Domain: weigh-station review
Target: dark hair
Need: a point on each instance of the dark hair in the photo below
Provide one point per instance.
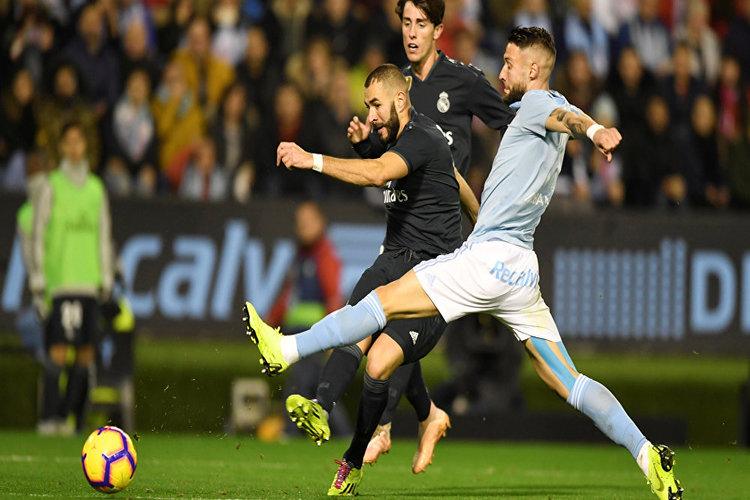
(523, 37)
(387, 73)
(433, 9)
(70, 125)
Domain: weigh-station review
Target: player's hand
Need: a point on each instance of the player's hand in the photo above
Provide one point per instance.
(606, 140)
(292, 156)
(358, 131)
(40, 306)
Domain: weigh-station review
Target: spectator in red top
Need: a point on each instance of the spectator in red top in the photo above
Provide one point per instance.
(311, 290)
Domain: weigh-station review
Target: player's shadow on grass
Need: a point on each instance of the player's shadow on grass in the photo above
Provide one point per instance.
(585, 490)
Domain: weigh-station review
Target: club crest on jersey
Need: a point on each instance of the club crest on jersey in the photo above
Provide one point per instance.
(443, 104)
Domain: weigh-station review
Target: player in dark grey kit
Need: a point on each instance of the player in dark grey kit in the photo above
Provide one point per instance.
(451, 93)
(423, 194)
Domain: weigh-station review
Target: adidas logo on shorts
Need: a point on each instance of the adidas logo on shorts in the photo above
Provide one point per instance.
(414, 336)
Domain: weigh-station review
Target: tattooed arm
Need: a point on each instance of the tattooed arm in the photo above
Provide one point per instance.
(580, 125)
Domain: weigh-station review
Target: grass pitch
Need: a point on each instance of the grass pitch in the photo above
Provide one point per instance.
(183, 466)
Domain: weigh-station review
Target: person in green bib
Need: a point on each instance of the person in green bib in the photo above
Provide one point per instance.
(71, 272)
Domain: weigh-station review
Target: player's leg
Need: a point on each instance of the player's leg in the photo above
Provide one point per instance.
(50, 414)
(553, 364)
(76, 395)
(381, 439)
(350, 324)
(311, 415)
(384, 356)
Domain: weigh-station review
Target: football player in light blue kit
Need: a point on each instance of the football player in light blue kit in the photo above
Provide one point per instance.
(496, 270)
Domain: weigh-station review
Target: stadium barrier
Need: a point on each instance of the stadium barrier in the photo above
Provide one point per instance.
(677, 281)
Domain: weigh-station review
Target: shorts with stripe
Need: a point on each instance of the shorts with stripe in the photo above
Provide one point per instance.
(416, 337)
(492, 277)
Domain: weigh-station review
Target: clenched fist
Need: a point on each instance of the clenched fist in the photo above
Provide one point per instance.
(606, 140)
(293, 156)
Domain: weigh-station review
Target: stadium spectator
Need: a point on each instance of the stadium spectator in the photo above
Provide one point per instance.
(179, 120)
(583, 32)
(732, 101)
(337, 22)
(288, 125)
(533, 13)
(698, 35)
(234, 142)
(136, 54)
(65, 105)
(701, 165)
(737, 42)
(680, 89)
(310, 291)
(133, 140)
(260, 73)
(18, 127)
(287, 26)
(71, 272)
(206, 75)
(96, 62)
(170, 34)
(384, 30)
(32, 38)
(578, 82)
(738, 173)
(204, 179)
(230, 35)
(311, 70)
(649, 163)
(612, 14)
(650, 38)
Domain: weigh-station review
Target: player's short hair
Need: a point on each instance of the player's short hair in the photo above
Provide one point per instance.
(533, 36)
(433, 9)
(388, 74)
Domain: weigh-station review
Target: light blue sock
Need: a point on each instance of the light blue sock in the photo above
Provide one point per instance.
(347, 326)
(595, 400)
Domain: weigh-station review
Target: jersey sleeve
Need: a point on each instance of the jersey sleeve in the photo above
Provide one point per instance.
(415, 148)
(486, 103)
(536, 107)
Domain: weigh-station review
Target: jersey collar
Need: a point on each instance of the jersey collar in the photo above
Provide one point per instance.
(441, 58)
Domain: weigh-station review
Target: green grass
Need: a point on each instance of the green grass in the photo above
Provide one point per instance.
(206, 466)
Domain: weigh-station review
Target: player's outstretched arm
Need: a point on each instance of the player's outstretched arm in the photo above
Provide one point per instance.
(469, 202)
(580, 125)
(376, 172)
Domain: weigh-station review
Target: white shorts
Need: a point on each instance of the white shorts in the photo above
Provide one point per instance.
(492, 277)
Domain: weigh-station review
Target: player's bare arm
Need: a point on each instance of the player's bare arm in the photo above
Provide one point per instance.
(469, 201)
(376, 172)
(580, 126)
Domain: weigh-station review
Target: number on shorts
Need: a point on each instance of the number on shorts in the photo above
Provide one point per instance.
(71, 317)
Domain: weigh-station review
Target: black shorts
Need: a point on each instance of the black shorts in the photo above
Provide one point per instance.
(417, 337)
(74, 320)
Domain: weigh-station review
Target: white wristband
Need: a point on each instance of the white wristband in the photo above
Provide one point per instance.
(593, 129)
(317, 162)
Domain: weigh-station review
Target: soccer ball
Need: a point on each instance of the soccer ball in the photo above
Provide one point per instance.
(109, 459)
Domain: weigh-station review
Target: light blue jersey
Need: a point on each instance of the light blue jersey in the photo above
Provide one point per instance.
(524, 172)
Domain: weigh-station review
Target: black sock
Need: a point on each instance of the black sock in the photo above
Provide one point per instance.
(77, 393)
(416, 393)
(51, 399)
(371, 406)
(396, 387)
(338, 372)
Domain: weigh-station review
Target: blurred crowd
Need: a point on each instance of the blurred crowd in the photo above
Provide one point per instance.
(190, 98)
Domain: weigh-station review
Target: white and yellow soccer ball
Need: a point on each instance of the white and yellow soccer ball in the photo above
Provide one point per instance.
(109, 459)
